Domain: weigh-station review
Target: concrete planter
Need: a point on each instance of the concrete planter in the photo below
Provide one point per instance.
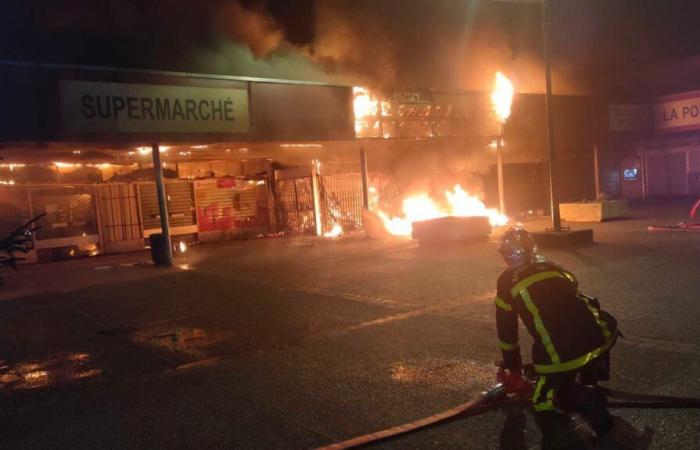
(594, 211)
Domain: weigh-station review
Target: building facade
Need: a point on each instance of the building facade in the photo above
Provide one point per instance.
(241, 156)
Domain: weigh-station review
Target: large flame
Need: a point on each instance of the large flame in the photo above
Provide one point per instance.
(421, 207)
(502, 97)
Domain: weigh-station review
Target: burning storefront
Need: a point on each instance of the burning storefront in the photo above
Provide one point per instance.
(113, 156)
(249, 157)
(463, 151)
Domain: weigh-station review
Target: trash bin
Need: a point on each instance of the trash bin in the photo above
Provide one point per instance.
(159, 249)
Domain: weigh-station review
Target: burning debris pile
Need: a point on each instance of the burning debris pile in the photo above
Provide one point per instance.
(456, 201)
(420, 207)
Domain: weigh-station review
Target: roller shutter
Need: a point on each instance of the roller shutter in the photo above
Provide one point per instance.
(181, 210)
(677, 176)
(231, 204)
(656, 174)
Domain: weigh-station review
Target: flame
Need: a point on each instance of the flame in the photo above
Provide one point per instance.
(364, 105)
(336, 231)
(421, 207)
(502, 97)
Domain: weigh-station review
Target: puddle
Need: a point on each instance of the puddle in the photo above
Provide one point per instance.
(54, 370)
(447, 373)
(195, 342)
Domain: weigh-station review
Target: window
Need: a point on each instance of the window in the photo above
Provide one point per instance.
(631, 174)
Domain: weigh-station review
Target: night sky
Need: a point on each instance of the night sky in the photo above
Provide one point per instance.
(443, 44)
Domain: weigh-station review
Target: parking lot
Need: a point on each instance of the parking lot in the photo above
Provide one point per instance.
(298, 342)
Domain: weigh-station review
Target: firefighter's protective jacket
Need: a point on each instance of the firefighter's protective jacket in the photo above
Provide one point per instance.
(569, 330)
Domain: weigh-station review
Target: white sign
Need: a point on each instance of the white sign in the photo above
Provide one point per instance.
(628, 117)
(96, 107)
(680, 112)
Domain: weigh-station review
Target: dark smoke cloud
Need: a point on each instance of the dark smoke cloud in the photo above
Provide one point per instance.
(404, 44)
(253, 27)
(386, 44)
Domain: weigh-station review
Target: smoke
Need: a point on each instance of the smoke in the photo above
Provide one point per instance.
(406, 44)
(429, 166)
(444, 45)
(252, 27)
(385, 44)
(351, 40)
(284, 62)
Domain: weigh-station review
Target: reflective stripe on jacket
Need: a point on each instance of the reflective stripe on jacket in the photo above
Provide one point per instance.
(569, 330)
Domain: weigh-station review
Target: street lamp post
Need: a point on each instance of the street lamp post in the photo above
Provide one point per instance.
(551, 155)
(555, 236)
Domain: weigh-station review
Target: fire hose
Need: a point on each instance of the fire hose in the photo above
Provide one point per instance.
(693, 227)
(489, 400)
(497, 398)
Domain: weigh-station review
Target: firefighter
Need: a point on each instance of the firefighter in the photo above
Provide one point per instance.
(572, 339)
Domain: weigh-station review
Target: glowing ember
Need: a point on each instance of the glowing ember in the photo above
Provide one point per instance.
(336, 231)
(502, 96)
(459, 203)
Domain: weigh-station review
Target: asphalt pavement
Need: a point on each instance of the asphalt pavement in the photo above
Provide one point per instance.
(298, 342)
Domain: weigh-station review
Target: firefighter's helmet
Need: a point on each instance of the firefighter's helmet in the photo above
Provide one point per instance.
(518, 247)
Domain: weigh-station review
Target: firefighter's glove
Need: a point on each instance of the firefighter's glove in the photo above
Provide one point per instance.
(514, 382)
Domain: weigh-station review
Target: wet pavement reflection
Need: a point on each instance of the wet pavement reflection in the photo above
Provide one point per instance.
(188, 341)
(56, 369)
(447, 373)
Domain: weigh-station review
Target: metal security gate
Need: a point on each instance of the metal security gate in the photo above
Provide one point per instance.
(674, 171)
(656, 174)
(120, 219)
(229, 207)
(341, 201)
(295, 205)
(677, 173)
(14, 208)
(70, 223)
(694, 171)
(181, 208)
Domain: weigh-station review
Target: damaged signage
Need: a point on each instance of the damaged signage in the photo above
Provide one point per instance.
(678, 112)
(89, 107)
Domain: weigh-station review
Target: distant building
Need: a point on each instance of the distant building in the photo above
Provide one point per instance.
(656, 131)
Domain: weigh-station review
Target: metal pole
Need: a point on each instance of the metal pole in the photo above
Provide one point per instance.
(643, 164)
(271, 197)
(318, 219)
(365, 178)
(553, 188)
(596, 169)
(499, 170)
(162, 204)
